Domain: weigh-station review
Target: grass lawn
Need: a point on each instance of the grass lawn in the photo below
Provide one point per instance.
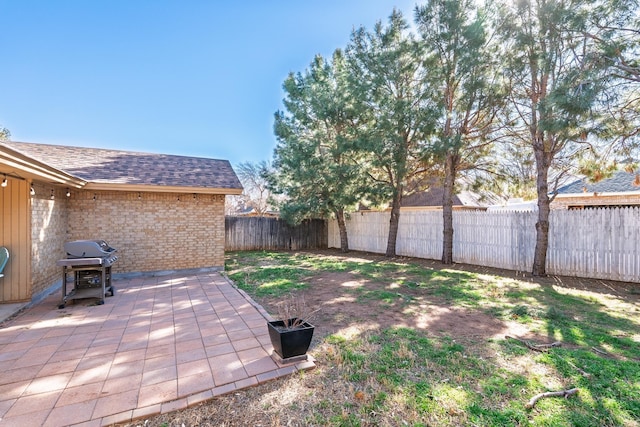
(412, 342)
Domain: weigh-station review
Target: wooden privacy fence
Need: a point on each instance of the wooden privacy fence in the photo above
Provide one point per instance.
(596, 243)
(261, 233)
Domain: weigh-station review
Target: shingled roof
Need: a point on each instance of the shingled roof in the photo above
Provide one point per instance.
(466, 198)
(619, 182)
(433, 197)
(133, 169)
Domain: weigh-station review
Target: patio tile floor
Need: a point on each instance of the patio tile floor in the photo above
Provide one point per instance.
(160, 344)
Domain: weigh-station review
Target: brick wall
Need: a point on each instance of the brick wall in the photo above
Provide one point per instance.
(590, 200)
(152, 231)
(48, 234)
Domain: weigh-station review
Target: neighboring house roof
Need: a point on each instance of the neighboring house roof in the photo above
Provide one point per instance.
(515, 205)
(249, 211)
(620, 182)
(433, 197)
(117, 169)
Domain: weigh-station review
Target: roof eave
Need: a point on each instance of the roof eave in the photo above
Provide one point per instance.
(37, 170)
(597, 194)
(109, 186)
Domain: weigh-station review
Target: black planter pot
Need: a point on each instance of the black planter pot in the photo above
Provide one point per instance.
(288, 343)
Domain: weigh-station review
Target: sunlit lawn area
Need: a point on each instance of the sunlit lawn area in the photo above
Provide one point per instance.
(411, 376)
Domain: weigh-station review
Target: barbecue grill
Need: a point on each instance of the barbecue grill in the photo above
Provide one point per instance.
(90, 262)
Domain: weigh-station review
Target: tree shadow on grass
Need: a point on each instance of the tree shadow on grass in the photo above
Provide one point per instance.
(608, 397)
(599, 356)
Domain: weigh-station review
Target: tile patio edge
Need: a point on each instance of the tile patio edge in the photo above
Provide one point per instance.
(197, 398)
(246, 296)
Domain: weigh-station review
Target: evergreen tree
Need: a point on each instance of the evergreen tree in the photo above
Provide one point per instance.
(554, 85)
(315, 165)
(462, 69)
(395, 111)
(614, 27)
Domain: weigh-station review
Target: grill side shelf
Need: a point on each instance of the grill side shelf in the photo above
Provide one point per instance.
(75, 262)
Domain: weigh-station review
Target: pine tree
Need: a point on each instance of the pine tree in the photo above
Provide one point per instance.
(315, 165)
(395, 110)
(462, 71)
(553, 87)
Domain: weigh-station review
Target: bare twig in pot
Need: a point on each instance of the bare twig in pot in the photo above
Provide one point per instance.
(294, 312)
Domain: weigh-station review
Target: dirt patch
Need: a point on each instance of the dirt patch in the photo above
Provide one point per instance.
(352, 305)
(345, 309)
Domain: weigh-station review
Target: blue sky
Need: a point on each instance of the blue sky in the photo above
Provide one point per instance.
(195, 78)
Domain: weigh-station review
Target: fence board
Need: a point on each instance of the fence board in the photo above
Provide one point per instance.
(596, 243)
(261, 233)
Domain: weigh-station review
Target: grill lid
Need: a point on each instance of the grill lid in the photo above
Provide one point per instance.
(88, 249)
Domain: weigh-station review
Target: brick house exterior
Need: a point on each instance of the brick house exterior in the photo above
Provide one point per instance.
(49, 219)
(161, 212)
(152, 231)
(622, 189)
